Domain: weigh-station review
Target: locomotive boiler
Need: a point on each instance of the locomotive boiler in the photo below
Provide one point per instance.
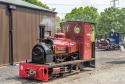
(56, 49)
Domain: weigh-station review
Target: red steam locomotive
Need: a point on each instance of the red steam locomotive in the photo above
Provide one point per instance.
(66, 52)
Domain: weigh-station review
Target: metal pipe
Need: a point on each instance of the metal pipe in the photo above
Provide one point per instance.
(10, 10)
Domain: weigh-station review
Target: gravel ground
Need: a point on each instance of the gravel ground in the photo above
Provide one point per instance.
(110, 69)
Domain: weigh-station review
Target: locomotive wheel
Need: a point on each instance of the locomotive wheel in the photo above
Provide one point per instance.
(59, 59)
(38, 54)
(76, 68)
(74, 57)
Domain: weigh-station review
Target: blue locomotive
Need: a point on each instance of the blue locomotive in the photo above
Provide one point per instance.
(111, 42)
(114, 37)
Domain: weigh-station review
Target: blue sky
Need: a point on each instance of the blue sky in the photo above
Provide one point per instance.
(65, 6)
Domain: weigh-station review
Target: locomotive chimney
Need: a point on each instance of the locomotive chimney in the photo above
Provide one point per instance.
(42, 32)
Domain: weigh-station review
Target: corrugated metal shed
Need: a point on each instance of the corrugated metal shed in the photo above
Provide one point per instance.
(25, 4)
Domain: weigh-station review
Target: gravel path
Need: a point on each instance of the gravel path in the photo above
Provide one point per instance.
(110, 69)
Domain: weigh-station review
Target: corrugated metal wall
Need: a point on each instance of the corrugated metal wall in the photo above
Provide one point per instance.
(25, 32)
(4, 35)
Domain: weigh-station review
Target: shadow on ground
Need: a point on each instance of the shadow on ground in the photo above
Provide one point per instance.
(117, 62)
(23, 80)
(106, 50)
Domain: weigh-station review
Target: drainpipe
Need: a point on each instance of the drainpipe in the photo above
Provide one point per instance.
(10, 10)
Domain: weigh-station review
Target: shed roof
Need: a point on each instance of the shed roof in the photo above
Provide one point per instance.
(24, 4)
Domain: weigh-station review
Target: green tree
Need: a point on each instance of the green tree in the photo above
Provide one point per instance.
(38, 3)
(88, 14)
(111, 18)
(58, 21)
